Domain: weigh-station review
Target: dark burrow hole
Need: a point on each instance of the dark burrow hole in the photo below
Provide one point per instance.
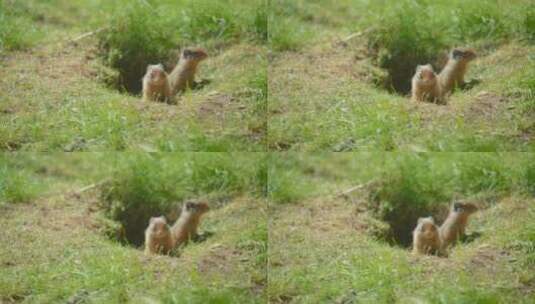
(128, 225)
(397, 67)
(126, 77)
(398, 73)
(397, 216)
(402, 221)
(131, 224)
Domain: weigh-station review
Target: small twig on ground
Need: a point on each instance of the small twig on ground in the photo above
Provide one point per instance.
(88, 34)
(89, 187)
(355, 188)
(357, 34)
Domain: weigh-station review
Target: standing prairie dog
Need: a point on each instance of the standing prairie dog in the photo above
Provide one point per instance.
(426, 237)
(183, 74)
(185, 227)
(425, 85)
(455, 224)
(156, 84)
(452, 75)
(158, 237)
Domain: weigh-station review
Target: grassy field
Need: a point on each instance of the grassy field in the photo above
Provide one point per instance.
(300, 135)
(60, 95)
(341, 71)
(57, 245)
(327, 248)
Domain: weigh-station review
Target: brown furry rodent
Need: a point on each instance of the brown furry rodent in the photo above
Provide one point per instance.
(426, 237)
(183, 75)
(156, 84)
(455, 224)
(185, 227)
(425, 85)
(158, 236)
(452, 75)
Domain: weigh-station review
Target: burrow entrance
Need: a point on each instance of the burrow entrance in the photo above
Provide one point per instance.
(126, 75)
(399, 68)
(398, 208)
(127, 222)
(399, 52)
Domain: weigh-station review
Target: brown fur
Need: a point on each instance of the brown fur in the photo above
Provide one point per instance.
(425, 85)
(183, 75)
(452, 75)
(455, 224)
(156, 84)
(186, 226)
(426, 237)
(158, 237)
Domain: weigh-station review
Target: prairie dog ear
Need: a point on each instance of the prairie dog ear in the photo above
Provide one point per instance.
(187, 53)
(421, 220)
(159, 65)
(152, 219)
(457, 54)
(431, 219)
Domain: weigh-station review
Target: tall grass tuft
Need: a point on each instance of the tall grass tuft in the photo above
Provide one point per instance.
(404, 34)
(412, 43)
(146, 185)
(142, 33)
(138, 35)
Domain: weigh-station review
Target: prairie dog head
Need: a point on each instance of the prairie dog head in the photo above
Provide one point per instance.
(426, 227)
(158, 226)
(467, 208)
(426, 74)
(463, 54)
(193, 54)
(195, 207)
(156, 73)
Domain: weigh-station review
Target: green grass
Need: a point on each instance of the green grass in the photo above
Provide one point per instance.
(74, 93)
(16, 31)
(334, 252)
(16, 186)
(73, 258)
(151, 185)
(141, 33)
(344, 86)
(406, 178)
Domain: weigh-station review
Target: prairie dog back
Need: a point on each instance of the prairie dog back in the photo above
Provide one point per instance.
(186, 226)
(455, 224)
(452, 75)
(183, 75)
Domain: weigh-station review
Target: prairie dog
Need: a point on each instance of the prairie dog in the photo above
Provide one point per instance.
(426, 237)
(452, 75)
(156, 84)
(425, 85)
(183, 74)
(185, 227)
(455, 224)
(158, 236)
